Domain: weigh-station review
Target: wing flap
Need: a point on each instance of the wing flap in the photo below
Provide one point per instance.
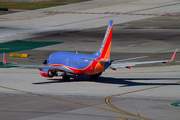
(119, 65)
(128, 59)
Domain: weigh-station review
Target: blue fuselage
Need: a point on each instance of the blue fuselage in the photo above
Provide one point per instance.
(76, 61)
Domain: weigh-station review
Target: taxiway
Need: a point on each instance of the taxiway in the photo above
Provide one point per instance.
(141, 28)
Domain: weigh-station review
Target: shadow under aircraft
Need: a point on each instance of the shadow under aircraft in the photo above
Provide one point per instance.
(124, 82)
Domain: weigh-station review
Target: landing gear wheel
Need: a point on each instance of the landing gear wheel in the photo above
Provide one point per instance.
(66, 78)
(52, 73)
(95, 77)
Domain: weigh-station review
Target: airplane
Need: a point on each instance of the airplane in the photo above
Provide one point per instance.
(85, 64)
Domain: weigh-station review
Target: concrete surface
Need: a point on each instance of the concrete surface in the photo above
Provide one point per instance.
(27, 95)
(24, 23)
(139, 93)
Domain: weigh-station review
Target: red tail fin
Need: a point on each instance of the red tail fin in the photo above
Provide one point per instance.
(104, 51)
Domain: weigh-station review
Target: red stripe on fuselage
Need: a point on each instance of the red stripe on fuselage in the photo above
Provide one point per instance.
(93, 68)
(44, 74)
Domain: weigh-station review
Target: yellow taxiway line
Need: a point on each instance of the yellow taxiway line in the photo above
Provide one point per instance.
(111, 105)
(117, 110)
(71, 102)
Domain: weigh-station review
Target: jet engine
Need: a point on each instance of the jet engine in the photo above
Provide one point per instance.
(52, 73)
(48, 73)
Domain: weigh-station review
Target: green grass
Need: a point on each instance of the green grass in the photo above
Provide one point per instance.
(176, 104)
(20, 45)
(28, 6)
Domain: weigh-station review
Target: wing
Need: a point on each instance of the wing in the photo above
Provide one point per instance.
(61, 68)
(105, 60)
(128, 65)
(128, 59)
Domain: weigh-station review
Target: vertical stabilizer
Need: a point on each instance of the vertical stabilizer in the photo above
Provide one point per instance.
(105, 49)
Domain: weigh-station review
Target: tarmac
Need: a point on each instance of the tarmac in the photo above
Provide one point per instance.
(141, 27)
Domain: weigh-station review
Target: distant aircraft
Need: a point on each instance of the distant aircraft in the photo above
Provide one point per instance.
(84, 64)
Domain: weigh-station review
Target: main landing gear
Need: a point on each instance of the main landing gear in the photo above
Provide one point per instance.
(95, 77)
(65, 77)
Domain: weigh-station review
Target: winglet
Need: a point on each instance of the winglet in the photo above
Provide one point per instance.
(4, 59)
(173, 56)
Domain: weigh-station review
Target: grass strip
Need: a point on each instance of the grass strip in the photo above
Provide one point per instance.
(20, 45)
(28, 6)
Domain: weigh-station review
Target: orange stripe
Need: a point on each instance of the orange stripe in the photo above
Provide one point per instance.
(108, 52)
(98, 68)
(107, 44)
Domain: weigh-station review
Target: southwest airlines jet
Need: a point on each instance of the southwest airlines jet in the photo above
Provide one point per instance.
(84, 64)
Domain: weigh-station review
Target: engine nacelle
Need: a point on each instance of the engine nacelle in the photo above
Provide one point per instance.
(51, 73)
(48, 73)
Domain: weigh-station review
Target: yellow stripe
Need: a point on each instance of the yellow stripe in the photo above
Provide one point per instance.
(18, 55)
(121, 112)
(64, 100)
(122, 119)
(108, 98)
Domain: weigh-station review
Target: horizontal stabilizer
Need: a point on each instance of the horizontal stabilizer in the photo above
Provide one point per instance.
(94, 60)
